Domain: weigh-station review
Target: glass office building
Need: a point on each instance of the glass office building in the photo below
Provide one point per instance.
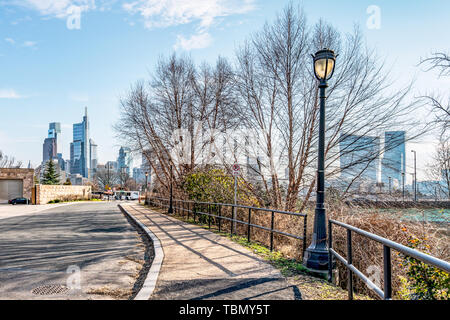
(80, 148)
(394, 159)
(359, 157)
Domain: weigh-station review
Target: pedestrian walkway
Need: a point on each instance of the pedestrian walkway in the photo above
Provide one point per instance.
(199, 264)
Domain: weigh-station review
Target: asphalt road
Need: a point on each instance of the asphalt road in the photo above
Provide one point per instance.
(77, 249)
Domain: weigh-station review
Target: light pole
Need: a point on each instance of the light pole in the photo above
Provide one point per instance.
(403, 186)
(390, 184)
(415, 176)
(146, 182)
(146, 187)
(171, 191)
(316, 256)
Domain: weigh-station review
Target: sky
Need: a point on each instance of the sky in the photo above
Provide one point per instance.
(58, 56)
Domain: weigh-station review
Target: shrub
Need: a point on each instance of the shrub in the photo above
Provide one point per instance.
(424, 282)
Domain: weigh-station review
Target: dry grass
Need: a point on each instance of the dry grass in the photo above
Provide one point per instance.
(116, 293)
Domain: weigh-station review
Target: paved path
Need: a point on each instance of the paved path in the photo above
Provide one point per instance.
(199, 264)
(38, 248)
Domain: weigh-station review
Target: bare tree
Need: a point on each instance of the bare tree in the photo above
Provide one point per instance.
(106, 178)
(175, 108)
(439, 61)
(439, 169)
(280, 94)
(8, 161)
(272, 95)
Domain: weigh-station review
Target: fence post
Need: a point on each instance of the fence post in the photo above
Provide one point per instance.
(305, 226)
(349, 261)
(271, 230)
(330, 257)
(209, 216)
(220, 216)
(249, 221)
(188, 213)
(232, 220)
(387, 273)
(195, 210)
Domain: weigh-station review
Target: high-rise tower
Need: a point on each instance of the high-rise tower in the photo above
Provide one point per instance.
(80, 148)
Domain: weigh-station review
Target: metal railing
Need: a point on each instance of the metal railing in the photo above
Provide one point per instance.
(386, 293)
(215, 210)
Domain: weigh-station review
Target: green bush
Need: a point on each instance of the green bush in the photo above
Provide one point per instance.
(424, 282)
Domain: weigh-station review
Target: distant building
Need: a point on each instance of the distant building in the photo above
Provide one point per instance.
(80, 149)
(139, 175)
(49, 150)
(125, 161)
(394, 159)
(77, 179)
(93, 156)
(359, 157)
(112, 165)
(50, 147)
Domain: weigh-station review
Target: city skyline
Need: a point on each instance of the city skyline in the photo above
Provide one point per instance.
(64, 74)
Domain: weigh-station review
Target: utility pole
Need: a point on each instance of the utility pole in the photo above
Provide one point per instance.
(390, 184)
(403, 186)
(415, 176)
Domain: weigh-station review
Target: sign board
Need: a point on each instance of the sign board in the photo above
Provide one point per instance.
(236, 170)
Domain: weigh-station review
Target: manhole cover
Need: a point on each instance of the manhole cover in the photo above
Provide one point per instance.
(50, 289)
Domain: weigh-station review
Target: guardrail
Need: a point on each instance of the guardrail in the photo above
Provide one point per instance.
(215, 210)
(387, 265)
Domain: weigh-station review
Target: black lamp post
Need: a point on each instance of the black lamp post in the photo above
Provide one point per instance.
(146, 187)
(316, 256)
(171, 191)
(146, 181)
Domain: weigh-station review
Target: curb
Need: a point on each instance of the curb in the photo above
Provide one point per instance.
(152, 276)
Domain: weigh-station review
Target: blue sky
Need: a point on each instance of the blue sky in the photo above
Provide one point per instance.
(48, 72)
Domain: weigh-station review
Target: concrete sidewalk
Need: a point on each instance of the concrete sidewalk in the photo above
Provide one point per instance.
(199, 264)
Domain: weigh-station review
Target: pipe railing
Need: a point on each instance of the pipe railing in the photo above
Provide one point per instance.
(386, 293)
(216, 210)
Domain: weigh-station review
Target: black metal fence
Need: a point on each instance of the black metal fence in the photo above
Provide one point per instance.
(215, 213)
(386, 293)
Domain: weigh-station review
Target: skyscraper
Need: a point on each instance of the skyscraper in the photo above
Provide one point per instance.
(93, 156)
(125, 160)
(393, 162)
(359, 157)
(80, 148)
(50, 147)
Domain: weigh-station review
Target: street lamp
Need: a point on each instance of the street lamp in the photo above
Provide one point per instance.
(146, 182)
(415, 176)
(316, 256)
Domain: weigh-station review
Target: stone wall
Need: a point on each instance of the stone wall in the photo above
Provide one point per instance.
(26, 175)
(46, 193)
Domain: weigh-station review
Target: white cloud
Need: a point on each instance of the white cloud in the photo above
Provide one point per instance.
(164, 13)
(10, 40)
(30, 44)
(55, 8)
(9, 94)
(197, 41)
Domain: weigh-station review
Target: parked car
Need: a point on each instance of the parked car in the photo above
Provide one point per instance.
(19, 201)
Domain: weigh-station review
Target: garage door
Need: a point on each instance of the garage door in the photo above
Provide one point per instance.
(10, 189)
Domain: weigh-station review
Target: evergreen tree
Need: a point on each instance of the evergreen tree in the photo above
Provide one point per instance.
(68, 182)
(51, 176)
